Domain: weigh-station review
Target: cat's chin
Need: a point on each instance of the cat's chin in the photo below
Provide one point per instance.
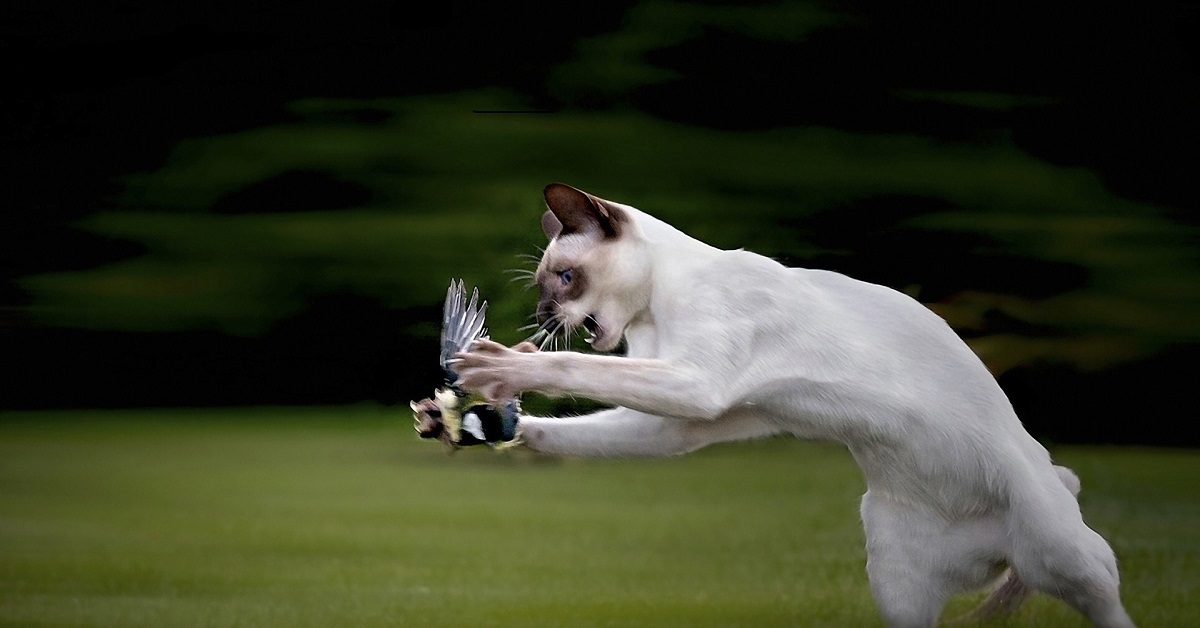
(598, 335)
(603, 344)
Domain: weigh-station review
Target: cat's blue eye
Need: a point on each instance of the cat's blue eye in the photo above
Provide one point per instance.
(566, 276)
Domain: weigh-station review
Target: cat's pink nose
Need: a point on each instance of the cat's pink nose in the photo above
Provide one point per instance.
(545, 311)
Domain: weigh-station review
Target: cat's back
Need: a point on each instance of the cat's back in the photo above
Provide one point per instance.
(851, 322)
(809, 295)
(886, 321)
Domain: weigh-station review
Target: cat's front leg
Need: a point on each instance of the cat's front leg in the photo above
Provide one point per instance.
(625, 432)
(615, 432)
(651, 386)
(495, 371)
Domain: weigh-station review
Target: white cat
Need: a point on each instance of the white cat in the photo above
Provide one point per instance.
(727, 345)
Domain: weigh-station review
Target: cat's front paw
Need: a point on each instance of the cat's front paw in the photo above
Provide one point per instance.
(493, 370)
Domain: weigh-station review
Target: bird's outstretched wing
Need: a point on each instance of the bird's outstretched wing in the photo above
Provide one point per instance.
(462, 324)
(451, 416)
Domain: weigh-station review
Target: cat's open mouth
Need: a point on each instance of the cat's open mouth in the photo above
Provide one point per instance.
(593, 328)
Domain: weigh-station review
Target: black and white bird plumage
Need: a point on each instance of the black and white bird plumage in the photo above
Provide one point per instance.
(452, 415)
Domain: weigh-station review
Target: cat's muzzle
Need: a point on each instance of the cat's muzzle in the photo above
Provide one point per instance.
(593, 328)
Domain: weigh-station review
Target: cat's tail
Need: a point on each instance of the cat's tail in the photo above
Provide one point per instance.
(1010, 592)
(1006, 597)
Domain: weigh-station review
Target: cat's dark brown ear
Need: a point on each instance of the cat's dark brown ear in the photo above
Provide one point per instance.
(580, 212)
(551, 225)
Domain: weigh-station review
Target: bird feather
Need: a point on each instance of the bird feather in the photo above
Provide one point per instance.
(462, 323)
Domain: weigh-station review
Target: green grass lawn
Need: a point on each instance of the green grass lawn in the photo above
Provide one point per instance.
(342, 517)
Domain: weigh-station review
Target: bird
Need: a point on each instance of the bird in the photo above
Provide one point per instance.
(454, 416)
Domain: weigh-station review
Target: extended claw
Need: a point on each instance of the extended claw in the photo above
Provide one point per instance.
(427, 418)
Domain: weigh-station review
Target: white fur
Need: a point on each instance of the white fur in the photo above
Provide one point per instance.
(728, 345)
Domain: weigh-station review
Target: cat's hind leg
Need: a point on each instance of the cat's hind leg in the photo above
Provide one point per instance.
(917, 558)
(909, 592)
(1056, 552)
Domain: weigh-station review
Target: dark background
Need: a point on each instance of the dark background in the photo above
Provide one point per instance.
(1026, 168)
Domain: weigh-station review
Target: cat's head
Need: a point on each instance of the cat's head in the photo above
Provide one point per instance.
(595, 272)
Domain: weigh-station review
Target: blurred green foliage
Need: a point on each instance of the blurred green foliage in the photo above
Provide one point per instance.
(426, 189)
